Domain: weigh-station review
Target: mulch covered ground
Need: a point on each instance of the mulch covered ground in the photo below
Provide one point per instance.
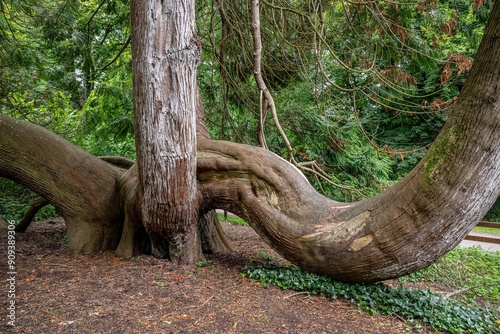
(59, 292)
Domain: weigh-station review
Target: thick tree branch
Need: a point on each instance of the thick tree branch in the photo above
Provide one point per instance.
(81, 186)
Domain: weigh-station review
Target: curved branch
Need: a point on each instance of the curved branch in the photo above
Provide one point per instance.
(81, 186)
(406, 228)
(398, 232)
(34, 207)
(257, 71)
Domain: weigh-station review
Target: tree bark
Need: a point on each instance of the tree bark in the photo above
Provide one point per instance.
(166, 53)
(34, 207)
(79, 185)
(135, 239)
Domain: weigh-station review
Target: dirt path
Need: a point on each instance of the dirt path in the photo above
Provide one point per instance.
(58, 292)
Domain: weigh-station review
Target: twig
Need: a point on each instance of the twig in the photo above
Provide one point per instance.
(456, 292)
(459, 291)
(198, 306)
(257, 71)
(207, 300)
(125, 45)
(397, 316)
(295, 294)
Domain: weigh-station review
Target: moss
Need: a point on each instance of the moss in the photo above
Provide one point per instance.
(440, 155)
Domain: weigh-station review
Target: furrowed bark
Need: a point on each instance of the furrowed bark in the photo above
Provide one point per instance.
(135, 239)
(166, 53)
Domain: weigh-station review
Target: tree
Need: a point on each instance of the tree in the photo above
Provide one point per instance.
(406, 228)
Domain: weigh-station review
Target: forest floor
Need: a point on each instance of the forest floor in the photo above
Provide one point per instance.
(60, 292)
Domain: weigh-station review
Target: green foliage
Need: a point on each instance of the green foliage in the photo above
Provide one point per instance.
(11, 192)
(473, 271)
(494, 214)
(490, 230)
(15, 201)
(441, 314)
(67, 66)
(204, 263)
(232, 219)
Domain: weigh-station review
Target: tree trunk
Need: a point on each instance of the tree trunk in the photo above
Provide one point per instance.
(166, 53)
(135, 240)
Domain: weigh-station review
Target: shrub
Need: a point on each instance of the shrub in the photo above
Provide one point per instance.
(441, 314)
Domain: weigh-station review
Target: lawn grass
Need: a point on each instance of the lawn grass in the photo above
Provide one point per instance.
(490, 230)
(474, 273)
(231, 219)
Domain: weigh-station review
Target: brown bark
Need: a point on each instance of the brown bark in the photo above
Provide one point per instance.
(134, 239)
(213, 239)
(165, 57)
(79, 185)
(121, 164)
(118, 162)
(34, 207)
